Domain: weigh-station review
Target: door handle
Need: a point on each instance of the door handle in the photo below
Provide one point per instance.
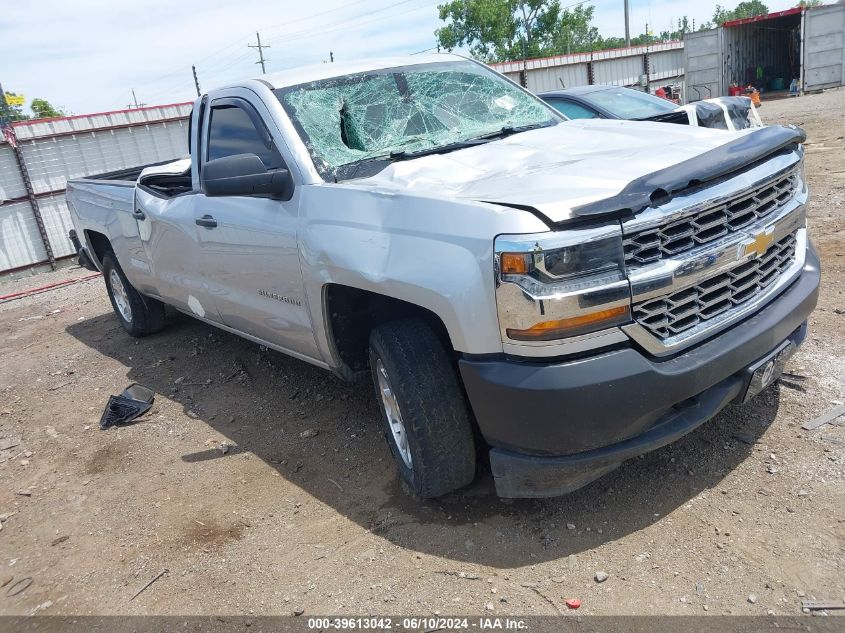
(138, 214)
(206, 221)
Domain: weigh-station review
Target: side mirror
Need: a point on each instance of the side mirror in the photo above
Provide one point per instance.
(244, 175)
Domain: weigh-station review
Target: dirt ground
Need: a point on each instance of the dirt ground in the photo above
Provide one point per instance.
(744, 516)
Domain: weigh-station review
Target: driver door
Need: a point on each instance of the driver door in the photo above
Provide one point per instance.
(248, 244)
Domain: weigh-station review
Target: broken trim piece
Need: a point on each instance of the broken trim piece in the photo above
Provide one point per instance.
(134, 402)
(715, 164)
(523, 207)
(824, 418)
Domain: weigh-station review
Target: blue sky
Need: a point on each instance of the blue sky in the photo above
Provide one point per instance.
(88, 55)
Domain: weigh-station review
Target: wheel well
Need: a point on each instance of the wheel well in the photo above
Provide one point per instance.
(352, 314)
(101, 245)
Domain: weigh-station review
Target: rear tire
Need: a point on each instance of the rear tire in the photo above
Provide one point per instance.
(139, 315)
(425, 416)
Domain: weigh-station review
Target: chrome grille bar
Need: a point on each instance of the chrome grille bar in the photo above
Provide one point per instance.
(723, 252)
(680, 311)
(710, 223)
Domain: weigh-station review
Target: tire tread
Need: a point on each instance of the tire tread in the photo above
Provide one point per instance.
(433, 405)
(148, 314)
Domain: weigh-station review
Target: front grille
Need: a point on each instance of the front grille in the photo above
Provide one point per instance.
(669, 240)
(682, 310)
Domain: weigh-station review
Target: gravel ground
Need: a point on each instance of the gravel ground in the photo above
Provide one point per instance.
(745, 516)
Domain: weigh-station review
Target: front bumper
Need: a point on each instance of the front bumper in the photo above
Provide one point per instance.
(554, 427)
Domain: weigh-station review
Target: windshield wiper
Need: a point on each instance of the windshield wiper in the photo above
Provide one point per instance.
(510, 130)
(372, 163)
(507, 130)
(438, 149)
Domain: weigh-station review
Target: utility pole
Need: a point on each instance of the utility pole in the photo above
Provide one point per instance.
(331, 57)
(135, 103)
(260, 48)
(196, 81)
(523, 76)
(627, 26)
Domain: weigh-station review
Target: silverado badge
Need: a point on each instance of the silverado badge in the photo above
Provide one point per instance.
(275, 295)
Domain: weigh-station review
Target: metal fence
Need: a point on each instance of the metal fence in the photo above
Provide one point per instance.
(653, 65)
(37, 158)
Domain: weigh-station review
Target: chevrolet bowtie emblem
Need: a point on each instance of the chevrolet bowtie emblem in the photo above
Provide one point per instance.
(760, 244)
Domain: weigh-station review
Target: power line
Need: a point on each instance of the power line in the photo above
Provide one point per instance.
(574, 4)
(218, 69)
(270, 27)
(234, 61)
(260, 48)
(346, 26)
(226, 52)
(316, 15)
(352, 23)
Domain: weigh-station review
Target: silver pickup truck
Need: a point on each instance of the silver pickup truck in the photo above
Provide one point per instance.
(552, 296)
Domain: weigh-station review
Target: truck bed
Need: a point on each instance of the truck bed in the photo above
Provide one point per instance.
(101, 205)
(168, 178)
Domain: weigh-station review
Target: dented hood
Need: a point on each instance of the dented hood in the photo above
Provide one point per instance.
(579, 167)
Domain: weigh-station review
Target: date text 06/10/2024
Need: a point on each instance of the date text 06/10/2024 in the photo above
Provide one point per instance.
(416, 623)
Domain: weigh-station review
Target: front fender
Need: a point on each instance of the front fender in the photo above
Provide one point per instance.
(430, 252)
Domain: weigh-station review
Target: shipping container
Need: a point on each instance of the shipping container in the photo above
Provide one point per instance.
(770, 52)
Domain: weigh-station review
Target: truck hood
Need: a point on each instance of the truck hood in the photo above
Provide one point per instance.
(571, 169)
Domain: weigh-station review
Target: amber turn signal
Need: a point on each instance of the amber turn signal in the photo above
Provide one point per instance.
(514, 264)
(552, 330)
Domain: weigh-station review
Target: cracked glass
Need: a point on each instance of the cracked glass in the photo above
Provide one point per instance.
(385, 115)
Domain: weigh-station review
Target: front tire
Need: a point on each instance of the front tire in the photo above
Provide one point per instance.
(139, 315)
(425, 416)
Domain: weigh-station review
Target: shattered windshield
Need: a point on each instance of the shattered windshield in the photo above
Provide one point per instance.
(392, 114)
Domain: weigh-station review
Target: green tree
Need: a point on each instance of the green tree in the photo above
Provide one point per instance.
(743, 10)
(503, 30)
(574, 31)
(9, 113)
(809, 3)
(603, 43)
(43, 109)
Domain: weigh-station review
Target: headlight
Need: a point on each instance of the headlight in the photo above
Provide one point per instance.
(802, 175)
(557, 285)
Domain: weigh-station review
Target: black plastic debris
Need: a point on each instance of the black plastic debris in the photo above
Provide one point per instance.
(134, 402)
